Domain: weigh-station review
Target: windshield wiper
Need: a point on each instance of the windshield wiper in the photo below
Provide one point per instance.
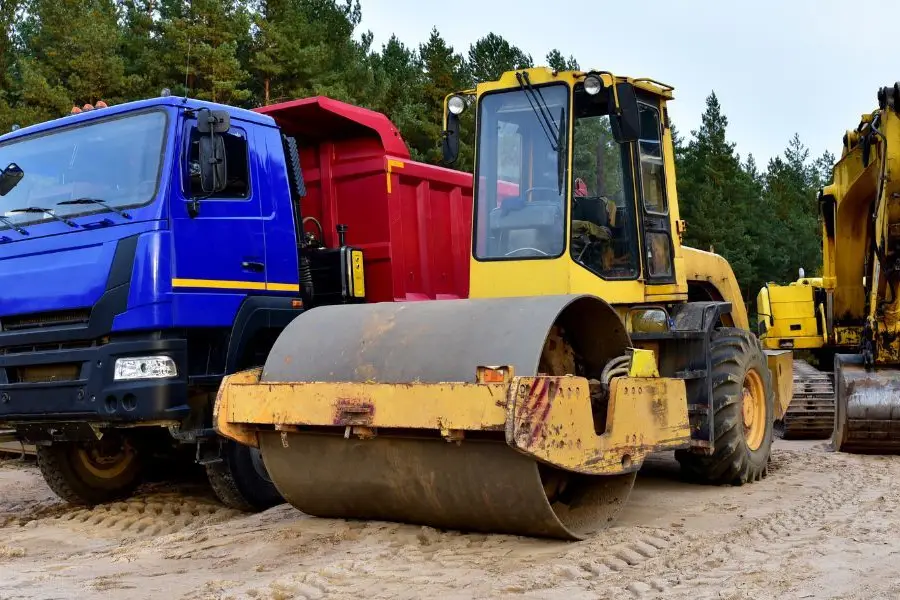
(554, 131)
(103, 203)
(13, 226)
(551, 129)
(46, 211)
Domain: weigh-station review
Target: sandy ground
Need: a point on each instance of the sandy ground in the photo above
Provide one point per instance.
(822, 525)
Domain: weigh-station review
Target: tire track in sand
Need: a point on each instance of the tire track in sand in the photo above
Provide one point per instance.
(709, 565)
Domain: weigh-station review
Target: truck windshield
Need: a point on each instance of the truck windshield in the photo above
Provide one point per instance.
(116, 161)
(520, 207)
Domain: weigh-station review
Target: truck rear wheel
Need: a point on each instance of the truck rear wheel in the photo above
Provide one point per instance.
(241, 481)
(743, 408)
(90, 473)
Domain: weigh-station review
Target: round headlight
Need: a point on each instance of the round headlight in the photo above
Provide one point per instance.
(457, 105)
(593, 85)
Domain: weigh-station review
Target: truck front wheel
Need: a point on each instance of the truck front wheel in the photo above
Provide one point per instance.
(240, 479)
(89, 473)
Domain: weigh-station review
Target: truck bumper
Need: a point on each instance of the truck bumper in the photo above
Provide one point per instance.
(51, 394)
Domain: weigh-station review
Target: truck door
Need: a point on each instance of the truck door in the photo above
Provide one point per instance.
(222, 247)
(657, 233)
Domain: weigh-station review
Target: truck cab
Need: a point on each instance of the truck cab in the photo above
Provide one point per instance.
(149, 249)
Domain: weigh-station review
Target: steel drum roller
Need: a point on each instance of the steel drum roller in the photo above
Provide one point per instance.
(476, 485)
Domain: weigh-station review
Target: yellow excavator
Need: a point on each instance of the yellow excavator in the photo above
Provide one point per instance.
(793, 317)
(591, 338)
(857, 303)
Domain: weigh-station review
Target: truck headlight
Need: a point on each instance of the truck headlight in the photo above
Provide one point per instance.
(144, 367)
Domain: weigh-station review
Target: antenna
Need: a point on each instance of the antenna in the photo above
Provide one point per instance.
(187, 64)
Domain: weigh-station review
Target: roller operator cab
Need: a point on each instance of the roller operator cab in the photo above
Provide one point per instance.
(590, 338)
(146, 250)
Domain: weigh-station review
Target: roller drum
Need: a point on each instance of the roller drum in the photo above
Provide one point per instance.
(439, 341)
(477, 485)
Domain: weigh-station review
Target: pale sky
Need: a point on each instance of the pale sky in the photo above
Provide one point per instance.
(777, 67)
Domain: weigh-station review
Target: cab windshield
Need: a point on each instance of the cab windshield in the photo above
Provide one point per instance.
(115, 161)
(522, 181)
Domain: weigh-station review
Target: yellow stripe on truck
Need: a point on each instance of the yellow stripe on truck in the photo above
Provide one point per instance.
(222, 284)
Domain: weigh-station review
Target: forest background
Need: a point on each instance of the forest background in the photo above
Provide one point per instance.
(55, 54)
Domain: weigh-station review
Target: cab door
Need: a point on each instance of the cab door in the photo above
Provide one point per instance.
(656, 231)
(219, 248)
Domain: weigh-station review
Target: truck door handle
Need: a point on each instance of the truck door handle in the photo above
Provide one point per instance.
(253, 266)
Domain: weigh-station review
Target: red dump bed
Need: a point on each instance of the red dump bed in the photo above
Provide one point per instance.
(413, 221)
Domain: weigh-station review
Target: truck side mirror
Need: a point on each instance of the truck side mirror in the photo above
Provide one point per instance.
(450, 145)
(624, 117)
(213, 167)
(10, 178)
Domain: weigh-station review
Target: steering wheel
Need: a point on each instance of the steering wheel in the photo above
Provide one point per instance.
(540, 252)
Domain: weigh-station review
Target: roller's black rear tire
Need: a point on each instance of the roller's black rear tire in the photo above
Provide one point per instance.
(741, 452)
(241, 481)
(87, 474)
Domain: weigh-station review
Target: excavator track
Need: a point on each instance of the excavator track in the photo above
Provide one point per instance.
(810, 415)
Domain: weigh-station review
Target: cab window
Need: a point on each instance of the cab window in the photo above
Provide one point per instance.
(237, 159)
(653, 177)
(603, 233)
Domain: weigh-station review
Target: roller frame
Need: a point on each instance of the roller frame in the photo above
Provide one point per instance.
(546, 418)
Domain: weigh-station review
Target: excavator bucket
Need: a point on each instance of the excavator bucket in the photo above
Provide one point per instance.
(867, 417)
(393, 412)
(810, 414)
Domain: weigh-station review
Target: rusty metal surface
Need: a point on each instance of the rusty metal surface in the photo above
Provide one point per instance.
(810, 415)
(440, 341)
(550, 418)
(468, 406)
(473, 486)
(867, 419)
(781, 368)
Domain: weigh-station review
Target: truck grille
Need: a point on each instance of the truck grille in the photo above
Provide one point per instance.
(45, 319)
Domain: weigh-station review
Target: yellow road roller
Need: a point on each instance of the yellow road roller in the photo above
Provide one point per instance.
(590, 338)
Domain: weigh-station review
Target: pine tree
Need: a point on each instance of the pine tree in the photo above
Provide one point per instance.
(71, 50)
(203, 45)
(492, 55)
(716, 196)
(445, 72)
(555, 60)
(141, 48)
(401, 76)
(9, 11)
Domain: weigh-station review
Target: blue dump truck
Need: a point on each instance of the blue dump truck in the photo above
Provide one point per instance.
(146, 250)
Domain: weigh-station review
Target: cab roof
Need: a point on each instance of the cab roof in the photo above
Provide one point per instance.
(118, 109)
(540, 75)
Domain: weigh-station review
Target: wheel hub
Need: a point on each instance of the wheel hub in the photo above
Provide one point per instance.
(105, 462)
(753, 409)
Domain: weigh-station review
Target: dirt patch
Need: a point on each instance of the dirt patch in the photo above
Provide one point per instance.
(820, 526)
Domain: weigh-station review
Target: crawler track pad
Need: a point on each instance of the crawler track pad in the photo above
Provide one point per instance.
(480, 486)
